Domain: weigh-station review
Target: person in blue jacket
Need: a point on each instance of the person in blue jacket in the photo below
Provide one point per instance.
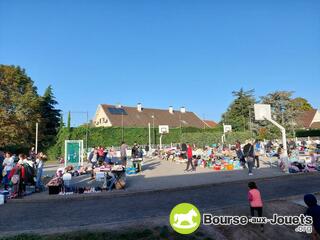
(313, 211)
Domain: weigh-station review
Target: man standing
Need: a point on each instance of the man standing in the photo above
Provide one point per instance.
(189, 155)
(93, 158)
(257, 150)
(248, 152)
(123, 153)
(240, 154)
(184, 148)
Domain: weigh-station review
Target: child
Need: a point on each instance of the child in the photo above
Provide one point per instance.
(313, 211)
(255, 200)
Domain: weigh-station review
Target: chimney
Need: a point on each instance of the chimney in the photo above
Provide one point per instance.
(183, 110)
(139, 107)
(171, 109)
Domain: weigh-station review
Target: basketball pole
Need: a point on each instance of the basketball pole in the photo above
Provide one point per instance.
(161, 141)
(283, 132)
(149, 126)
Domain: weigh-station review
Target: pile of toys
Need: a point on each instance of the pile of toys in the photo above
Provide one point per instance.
(219, 163)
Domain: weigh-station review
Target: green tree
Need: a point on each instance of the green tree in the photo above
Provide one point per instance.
(19, 108)
(50, 118)
(69, 125)
(240, 113)
(282, 109)
(301, 104)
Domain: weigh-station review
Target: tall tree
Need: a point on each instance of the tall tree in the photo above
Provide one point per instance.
(239, 113)
(19, 107)
(50, 118)
(284, 111)
(69, 125)
(301, 104)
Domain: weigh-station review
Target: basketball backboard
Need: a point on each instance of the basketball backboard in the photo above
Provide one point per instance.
(163, 129)
(227, 128)
(262, 112)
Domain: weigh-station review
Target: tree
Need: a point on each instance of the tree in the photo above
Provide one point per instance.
(69, 125)
(19, 108)
(301, 104)
(50, 118)
(283, 109)
(239, 113)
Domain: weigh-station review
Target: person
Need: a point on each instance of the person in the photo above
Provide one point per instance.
(255, 200)
(269, 146)
(32, 154)
(240, 154)
(249, 156)
(134, 150)
(101, 155)
(93, 158)
(189, 155)
(313, 211)
(7, 166)
(1, 162)
(184, 149)
(24, 160)
(39, 165)
(147, 150)
(257, 150)
(123, 153)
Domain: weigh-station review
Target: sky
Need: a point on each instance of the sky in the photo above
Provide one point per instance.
(190, 53)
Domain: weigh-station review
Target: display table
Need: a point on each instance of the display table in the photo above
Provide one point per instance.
(113, 176)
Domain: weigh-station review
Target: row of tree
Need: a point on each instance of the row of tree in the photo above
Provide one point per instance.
(285, 110)
(21, 107)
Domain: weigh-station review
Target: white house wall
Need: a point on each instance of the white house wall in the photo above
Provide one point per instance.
(316, 117)
(101, 118)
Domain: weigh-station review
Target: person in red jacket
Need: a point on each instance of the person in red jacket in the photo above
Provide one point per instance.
(255, 200)
(189, 154)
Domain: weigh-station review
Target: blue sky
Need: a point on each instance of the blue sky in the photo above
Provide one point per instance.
(162, 53)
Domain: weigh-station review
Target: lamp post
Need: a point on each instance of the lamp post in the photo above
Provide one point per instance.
(122, 129)
(153, 128)
(37, 131)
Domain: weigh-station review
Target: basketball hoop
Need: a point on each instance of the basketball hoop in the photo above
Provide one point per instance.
(163, 129)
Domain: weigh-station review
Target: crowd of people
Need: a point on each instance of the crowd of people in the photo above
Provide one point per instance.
(248, 155)
(101, 155)
(20, 171)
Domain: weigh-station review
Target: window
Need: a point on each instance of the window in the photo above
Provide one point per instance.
(117, 111)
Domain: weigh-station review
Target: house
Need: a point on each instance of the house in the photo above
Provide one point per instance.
(309, 119)
(210, 124)
(124, 116)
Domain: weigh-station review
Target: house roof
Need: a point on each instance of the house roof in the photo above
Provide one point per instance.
(315, 125)
(305, 118)
(131, 117)
(210, 124)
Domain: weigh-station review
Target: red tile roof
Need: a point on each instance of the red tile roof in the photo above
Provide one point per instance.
(305, 118)
(134, 118)
(210, 124)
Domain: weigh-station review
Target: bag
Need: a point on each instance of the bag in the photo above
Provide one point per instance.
(15, 179)
(249, 159)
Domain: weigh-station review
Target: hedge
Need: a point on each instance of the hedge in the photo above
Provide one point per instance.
(308, 133)
(209, 138)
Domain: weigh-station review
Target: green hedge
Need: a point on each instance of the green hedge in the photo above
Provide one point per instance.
(209, 138)
(113, 136)
(308, 133)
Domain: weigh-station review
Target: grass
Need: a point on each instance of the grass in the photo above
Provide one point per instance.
(158, 233)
